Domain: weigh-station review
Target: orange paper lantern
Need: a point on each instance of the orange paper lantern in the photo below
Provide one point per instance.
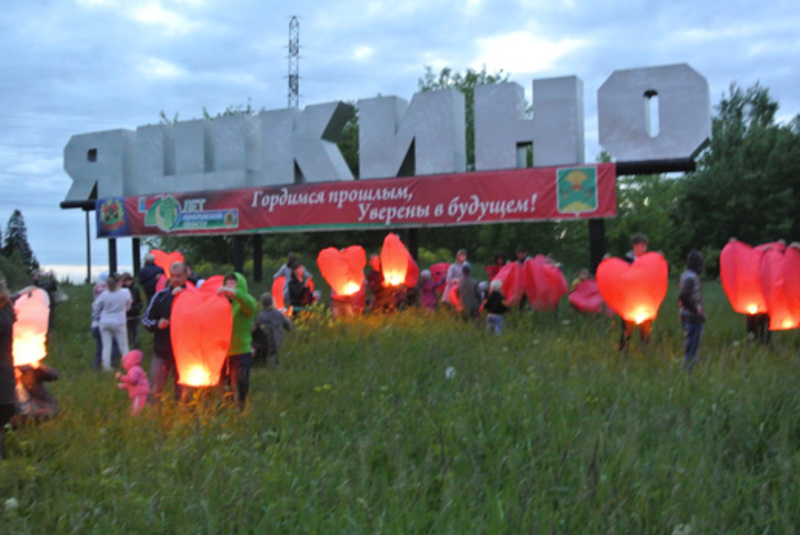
(543, 282)
(277, 292)
(740, 271)
(782, 314)
(165, 260)
(634, 291)
(395, 261)
(344, 270)
(201, 324)
(30, 329)
(791, 275)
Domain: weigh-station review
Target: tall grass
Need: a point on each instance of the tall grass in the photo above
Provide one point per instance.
(546, 429)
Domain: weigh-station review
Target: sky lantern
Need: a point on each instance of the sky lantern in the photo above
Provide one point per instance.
(511, 277)
(343, 270)
(395, 261)
(30, 329)
(165, 260)
(791, 275)
(201, 324)
(634, 291)
(277, 292)
(543, 282)
(740, 271)
(782, 314)
(586, 297)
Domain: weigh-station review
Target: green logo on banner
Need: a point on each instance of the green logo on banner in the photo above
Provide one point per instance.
(577, 189)
(164, 214)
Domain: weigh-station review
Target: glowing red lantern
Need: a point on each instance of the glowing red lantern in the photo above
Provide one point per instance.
(201, 325)
(586, 297)
(740, 271)
(782, 314)
(30, 329)
(344, 270)
(395, 261)
(511, 277)
(543, 282)
(634, 291)
(791, 276)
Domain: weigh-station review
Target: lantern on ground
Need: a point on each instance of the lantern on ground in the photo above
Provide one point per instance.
(30, 330)
(586, 297)
(634, 291)
(201, 324)
(740, 271)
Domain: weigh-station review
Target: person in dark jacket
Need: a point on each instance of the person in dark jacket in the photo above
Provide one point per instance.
(268, 332)
(692, 315)
(157, 320)
(148, 276)
(134, 314)
(7, 379)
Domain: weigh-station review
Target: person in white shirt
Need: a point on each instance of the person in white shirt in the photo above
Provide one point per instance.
(110, 309)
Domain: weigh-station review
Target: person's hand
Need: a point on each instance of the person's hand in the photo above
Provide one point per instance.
(163, 323)
(176, 290)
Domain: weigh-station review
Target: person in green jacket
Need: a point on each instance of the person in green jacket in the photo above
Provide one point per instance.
(236, 370)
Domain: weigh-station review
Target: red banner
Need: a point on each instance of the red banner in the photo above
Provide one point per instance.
(554, 193)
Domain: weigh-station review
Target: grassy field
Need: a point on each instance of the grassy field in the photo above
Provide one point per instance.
(543, 430)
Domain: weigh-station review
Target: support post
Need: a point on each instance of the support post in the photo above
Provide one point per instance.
(413, 243)
(112, 255)
(258, 257)
(136, 256)
(597, 242)
(88, 250)
(238, 253)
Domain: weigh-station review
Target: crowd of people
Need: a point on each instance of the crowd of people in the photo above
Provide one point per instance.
(121, 303)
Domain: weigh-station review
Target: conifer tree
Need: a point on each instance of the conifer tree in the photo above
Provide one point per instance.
(16, 241)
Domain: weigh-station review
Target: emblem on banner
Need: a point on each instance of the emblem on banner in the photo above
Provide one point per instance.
(577, 190)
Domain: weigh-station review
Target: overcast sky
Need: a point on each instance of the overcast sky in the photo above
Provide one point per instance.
(78, 66)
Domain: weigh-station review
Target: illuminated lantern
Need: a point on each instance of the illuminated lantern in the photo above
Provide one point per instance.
(511, 277)
(277, 292)
(30, 329)
(343, 270)
(438, 274)
(543, 282)
(740, 271)
(586, 297)
(165, 260)
(412, 274)
(634, 291)
(211, 285)
(791, 276)
(201, 324)
(782, 315)
(395, 261)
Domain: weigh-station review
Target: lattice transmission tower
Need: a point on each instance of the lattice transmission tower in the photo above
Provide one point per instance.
(294, 63)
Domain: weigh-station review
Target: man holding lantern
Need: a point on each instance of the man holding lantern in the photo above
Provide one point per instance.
(156, 320)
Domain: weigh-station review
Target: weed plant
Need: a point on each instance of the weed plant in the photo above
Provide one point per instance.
(422, 423)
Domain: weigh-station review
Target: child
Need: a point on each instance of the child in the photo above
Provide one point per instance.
(135, 381)
(495, 306)
(428, 287)
(691, 304)
(268, 332)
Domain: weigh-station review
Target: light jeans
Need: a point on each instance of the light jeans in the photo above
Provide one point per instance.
(110, 332)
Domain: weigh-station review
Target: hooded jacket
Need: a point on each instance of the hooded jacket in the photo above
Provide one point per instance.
(243, 307)
(135, 381)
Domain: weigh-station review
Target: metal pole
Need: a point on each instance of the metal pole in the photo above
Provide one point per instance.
(88, 250)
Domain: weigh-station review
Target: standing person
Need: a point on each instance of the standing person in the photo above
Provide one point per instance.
(239, 360)
(468, 294)
(454, 274)
(268, 332)
(638, 247)
(135, 381)
(300, 295)
(7, 379)
(428, 288)
(111, 309)
(148, 276)
(157, 320)
(381, 300)
(522, 254)
(495, 306)
(690, 296)
(134, 315)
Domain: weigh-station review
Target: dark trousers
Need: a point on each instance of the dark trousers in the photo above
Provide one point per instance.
(236, 376)
(693, 333)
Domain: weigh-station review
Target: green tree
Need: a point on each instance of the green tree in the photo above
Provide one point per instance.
(747, 184)
(16, 241)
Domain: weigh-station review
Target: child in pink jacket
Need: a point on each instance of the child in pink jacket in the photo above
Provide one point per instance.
(135, 381)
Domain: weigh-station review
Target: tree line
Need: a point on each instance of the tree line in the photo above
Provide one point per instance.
(16, 256)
